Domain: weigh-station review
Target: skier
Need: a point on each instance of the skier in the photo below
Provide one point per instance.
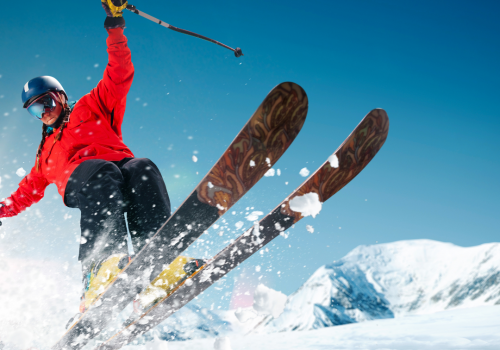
(82, 152)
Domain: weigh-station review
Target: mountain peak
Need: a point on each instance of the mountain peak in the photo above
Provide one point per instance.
(391, 280)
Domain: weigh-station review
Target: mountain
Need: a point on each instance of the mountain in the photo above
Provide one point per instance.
(393, 280)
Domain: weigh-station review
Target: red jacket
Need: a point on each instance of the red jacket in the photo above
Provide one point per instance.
(93, 132)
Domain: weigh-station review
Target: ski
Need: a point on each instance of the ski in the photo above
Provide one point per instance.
(261, 142)
(340, 168)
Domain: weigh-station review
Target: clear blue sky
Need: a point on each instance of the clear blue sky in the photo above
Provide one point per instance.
(432, 65)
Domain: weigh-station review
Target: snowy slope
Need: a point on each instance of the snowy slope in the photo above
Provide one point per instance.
(476, 328)
(392, 280)
(37, 298)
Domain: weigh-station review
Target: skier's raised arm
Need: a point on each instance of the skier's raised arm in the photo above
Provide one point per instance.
(111, 92)
(31, 190)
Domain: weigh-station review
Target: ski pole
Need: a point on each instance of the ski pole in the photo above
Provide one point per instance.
(132, 8)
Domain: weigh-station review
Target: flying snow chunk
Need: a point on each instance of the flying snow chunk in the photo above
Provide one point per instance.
(334, 161)
(245, 315)
(310, 229)
(20, 172)
(239, 225)
(269, 301)
(307, 204)
(254, 215)
(222, 343)
(304, 172)
(252, 163)
(195, 158)
(270, 172)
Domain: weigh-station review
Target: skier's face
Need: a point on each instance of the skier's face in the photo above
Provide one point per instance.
(50, 116)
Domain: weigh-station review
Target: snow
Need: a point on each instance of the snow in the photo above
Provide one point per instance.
(156, 344)
(269, 301)
(269, 173)
(194, 158)
(245, 315)
(475, 328)
(334, 161)
(310, 229)
(254, 215)
(20, 172)
(222, 343)
(393, 295)
(304, 172)
(307, 205)
(239, 225)
(37, 300)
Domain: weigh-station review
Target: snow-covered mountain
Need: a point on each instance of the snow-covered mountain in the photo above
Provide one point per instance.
(392, 280)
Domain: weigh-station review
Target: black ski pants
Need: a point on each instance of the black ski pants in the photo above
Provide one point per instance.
(104, 191)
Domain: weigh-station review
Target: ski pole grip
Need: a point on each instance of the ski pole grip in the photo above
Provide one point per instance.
(133, 9)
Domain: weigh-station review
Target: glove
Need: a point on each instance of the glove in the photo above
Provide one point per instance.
(114, 13)
(114, 8)
(2, 213)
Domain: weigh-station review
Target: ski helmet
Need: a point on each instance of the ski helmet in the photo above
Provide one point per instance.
(39, 86)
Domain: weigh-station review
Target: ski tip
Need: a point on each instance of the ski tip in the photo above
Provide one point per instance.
(382, 114)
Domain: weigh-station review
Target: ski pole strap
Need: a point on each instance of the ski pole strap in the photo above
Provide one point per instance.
(132, 8)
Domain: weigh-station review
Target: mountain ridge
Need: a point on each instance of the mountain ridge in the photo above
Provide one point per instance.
(393, 280)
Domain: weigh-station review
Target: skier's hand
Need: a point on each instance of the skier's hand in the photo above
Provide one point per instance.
(1, 214)
(4, 211)
(114, 8)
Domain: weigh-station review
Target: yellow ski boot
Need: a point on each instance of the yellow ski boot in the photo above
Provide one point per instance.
(163, 285)
(100, 275)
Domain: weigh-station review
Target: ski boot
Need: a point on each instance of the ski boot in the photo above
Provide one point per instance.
(169, 279)
(99, 276)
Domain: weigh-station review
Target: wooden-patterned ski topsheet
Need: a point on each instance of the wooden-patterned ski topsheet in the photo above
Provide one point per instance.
(347, 162)
(261, 142)
(259, 145)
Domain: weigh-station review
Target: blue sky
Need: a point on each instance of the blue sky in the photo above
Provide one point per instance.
(432, 65)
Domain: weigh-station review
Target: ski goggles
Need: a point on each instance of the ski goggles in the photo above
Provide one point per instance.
(43, 104)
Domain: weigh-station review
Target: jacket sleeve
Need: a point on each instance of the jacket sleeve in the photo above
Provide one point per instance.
(110, 94)
(31, 190)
